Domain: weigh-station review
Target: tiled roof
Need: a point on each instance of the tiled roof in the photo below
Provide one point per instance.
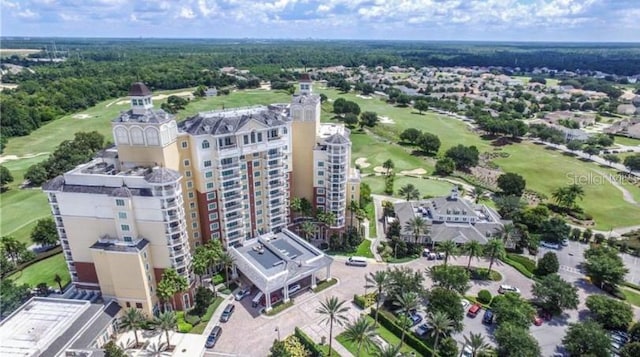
(156, 116)
(228, 122)
(336, 139)
(139, 89)
(162, 175)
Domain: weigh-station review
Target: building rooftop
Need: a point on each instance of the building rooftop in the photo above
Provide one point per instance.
(305, 99)
(139, 89)
(272, 259)
(327, 130)
(46, 326)
(154, 116)
(111, 246)
(228, 121)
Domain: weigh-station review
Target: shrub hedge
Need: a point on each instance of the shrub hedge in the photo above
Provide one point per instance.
(484, 296)
(192, 319)
(316, 349)
(387, 320)
(518, 266)
(183, 326)
(364, 301)
(528, 263)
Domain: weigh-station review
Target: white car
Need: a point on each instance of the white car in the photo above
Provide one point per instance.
(243, 293)
(465, 304)
(467, 351)
(550, 245)
(508, 289)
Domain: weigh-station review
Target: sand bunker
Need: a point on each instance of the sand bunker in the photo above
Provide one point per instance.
(6, 158)
(380, 170)
(414, 172)
(81, 116)
(362, 162)
(386, 120)
(363, 96)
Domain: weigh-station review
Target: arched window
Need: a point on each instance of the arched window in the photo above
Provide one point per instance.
(122, 137)
(205, 144)
(151, 135)
(253, 137)
(137, 137)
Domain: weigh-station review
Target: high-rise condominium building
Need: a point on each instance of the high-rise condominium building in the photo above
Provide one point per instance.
(142, 206)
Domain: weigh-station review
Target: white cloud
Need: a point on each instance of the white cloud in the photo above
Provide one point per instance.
(28, 14)
(186, 13)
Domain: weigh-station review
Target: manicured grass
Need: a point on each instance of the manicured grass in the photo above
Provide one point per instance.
(279, 307)
(199, 328)
(393, 260)
(376, 152)
(44, 272)
(364, 249)
(552, 169)
(627, 141)
(633, 296)
(371, 216)
(426, 187)
(384, 334)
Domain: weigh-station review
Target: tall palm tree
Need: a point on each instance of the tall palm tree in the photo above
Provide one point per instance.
(407, 302)
(441, 325)
(494, 249)
(379, 281)
(132, 320)
(417, 226)
(334, 312)
(227, 261)
(409, 191)
(361, 332)
(166, 322)
(449, 248)
(307, 228)
(473, 249)
(576, 192)
(477, 193)
(200, 262)
(477, 344)
(353, 208)
(388, 350)
(388, 165)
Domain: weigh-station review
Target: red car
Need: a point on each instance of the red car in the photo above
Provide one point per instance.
(473, 310)
(537, 320)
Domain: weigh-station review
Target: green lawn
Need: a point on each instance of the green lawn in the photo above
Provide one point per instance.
(44, 271)
(382, 332)
(376, 152)
(364, 249)
(633, 296)
(425, 186)
(627, 141)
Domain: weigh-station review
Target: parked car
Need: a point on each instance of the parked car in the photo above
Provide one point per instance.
(508, 289)
(439, 256)
(415, 318)
(465, 303)
(550, 245)
(228, 311)
(294, 288)
(213, 337)
(242, 293)
(423, 329)
(474, 310)
(467, 351)
(546, 315)
(487, 318)
(565, 242)
(537, 320)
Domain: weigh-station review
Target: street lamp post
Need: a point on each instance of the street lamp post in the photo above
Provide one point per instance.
(278, 331)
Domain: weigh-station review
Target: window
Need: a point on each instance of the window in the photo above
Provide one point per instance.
(192, 205)
(138, 305)
(253, 137)
(127, 239)
(256, 174)
(209, 185)
(321, 191)
(189, 184)
(215, 235)
(320, 173)
(119, 202)
(122, 215)
(207, 163)
(187, 173)
(321, 164)
(320, 199)
(211, 196)
(186, 162)
(259, 202)
(124, 227)
(184, 144)
(227, 161)
(205, 144)
(194, 225)
(208, 174)
(190, 194)
(214, 226)
(213, 216)
(226, 173)
(256, 163)
(212, 206)
(193, 215)
(320, 182)
(256, 184)
(259, 137)
(259, 221)
(196, 235)
(128, 304)
(245, 139)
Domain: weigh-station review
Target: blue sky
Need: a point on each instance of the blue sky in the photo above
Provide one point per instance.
(477, 20)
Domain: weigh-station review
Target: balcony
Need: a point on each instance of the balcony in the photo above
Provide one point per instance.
(233, 208)
(275, 193)
(235, 186)
(275, 155)
(275, 183)
(233, 165)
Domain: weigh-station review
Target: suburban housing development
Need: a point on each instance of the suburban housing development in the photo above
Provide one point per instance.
(143, 205)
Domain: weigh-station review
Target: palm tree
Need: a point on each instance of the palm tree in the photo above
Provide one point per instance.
(328, 219)
(494, 249)
(58, 279)
(353, 208)
(307, 228)
(576, 192)
(200, 262)
(388, 165)
(158, 349)
(449, 248)
(441, 325)
(409, 191)
(334, 312)
(227, 261)
(295, 204)
(473, 249)
(417, 225)
(132, 320)
(378, 280)
(166, 322)
(477, 193)
(361, 332)
(407, 302)
(477, 344)
(388, 350)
